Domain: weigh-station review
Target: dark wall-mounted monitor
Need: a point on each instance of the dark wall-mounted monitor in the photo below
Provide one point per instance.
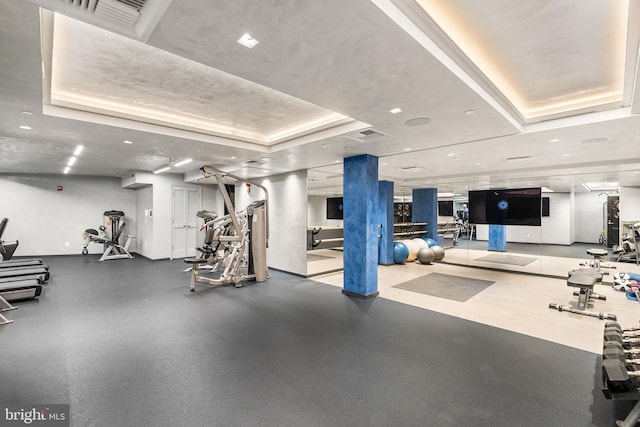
(445, 207)
(335, 208)
(545, 206)
(518, 206)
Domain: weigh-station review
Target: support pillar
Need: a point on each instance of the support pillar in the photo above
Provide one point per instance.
(385, 212)
(424, 208)
(361, 219)
(497, 237)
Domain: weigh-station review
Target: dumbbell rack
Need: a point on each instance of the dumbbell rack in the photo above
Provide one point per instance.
(620, 378)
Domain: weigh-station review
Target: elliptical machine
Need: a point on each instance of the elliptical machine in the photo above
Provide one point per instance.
(236, 243)
(112, 247)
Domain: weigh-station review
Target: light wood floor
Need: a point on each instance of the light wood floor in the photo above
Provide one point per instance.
(516, 302)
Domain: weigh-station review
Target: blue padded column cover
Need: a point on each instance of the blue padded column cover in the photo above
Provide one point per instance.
(385, 211)
(424, 208)
(361, 217)
(497, 237)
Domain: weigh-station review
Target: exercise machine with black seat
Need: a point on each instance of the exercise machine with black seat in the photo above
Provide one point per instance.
(584, 279)
(111, 241)
(237, 241)
(13, 270)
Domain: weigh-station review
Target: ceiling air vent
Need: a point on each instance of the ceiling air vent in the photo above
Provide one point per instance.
(119, 12)
(411, 168)
(509, 159)
(367, 135)
(122, 13)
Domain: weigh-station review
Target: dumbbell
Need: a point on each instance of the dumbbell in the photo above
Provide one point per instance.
(616, 336)
(618, 378)
(629, 353)
(616, 352)
(626, 334)
(617, 325)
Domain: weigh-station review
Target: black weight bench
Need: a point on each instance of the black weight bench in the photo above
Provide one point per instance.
(23, 290)
(584, 279)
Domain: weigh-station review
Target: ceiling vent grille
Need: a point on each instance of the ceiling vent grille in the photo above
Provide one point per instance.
(509, 159)
(119, 12)
(124, 13)
(367, 135)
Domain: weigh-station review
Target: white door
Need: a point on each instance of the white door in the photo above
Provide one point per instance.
(186, 202)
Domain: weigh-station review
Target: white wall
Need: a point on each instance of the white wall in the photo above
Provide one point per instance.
(287, 219)
(317, 212)
(43, 219)
(588, 216)
(144, 215)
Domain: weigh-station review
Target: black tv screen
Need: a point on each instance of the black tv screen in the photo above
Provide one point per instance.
(445, 207)
(334, 208)
(518, 206)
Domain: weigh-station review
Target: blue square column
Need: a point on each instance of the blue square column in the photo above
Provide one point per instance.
(424, 208)
(385, 210)
(497, 237)
(361, 219)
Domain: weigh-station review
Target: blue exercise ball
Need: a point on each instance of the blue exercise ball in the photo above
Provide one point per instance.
(400, 252)
(431, 242)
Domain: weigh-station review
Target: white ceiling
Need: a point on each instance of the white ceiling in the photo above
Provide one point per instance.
(183, 88)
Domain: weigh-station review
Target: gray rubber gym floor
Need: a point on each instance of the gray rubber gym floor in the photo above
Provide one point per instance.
(126, 344)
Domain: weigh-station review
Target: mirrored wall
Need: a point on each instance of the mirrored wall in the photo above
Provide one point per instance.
(573, 218)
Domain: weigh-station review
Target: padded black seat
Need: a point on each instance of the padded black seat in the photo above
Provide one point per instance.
(597, 252)
(587, 271)
(582, 280)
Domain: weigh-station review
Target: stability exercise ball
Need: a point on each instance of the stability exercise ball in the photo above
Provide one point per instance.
(438, 252)
(420, 242)
(400, 252)
(426, 256)
(431, 242)
(413, 249)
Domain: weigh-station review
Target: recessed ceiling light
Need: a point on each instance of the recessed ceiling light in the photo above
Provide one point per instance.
(418, 121)
(395, 110)
(66, 170)
(554, 140)
(25, 127)
(566, 154)
(451, 154)
(384, 164)
(27, 113)
(336, 161)
(126, 141)
(469, 112)
(72, 161)
(78, 150)
(407, 149)
(182, 162)
(476, 164)
(233, 157)
(247, 41)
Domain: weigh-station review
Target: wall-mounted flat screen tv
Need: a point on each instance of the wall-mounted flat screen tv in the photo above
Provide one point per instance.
(517, 206)
(335, 208)
(445, 207)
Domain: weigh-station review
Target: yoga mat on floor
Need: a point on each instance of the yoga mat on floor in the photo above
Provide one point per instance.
(440, 285)
(314, 257)
(507, 259)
